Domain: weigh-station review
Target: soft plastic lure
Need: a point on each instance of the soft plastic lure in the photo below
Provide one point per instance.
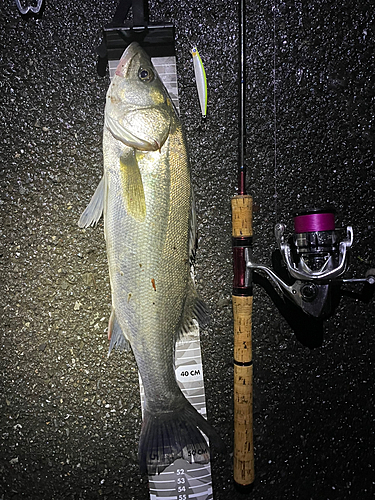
(201, 81)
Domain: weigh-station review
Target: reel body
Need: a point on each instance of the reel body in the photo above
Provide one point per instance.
(315, 259)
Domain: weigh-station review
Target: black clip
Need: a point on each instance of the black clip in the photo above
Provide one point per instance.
(140, 19)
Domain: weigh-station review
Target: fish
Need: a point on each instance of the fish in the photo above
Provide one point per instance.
(147, 200)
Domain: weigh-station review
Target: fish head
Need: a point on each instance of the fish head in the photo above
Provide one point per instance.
(138, 108)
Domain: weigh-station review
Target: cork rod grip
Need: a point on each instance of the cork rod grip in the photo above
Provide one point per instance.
(243, 392)
(243, 364)
(242, 216)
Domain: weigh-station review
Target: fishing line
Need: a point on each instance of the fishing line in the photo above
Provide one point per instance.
(314, 222)
(274, 112)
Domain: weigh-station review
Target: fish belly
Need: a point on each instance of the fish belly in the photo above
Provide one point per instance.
(149, 261)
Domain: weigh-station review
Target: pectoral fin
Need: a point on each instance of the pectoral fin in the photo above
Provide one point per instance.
(132, 186)
(94, 209)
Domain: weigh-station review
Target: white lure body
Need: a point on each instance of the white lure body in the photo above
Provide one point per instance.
(201, 80)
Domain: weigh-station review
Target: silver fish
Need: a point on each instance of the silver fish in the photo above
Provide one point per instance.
(149, 224)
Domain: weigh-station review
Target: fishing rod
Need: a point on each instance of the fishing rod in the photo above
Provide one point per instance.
(315, 257)
(242, 297)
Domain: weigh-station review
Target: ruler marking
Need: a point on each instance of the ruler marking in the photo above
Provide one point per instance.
(186, 358)
(164, 480)
(163, 490)
(201, 477)
(197, 495)
(198, 396)
(196, 469)
(154, 497)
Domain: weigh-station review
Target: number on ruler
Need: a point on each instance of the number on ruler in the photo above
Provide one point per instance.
(189, 373)
(192, 373)
(181, 484)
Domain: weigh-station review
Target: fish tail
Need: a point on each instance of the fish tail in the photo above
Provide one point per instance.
(165, 437)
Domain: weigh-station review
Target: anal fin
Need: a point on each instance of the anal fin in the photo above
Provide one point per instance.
(194, 308)
(116, 335)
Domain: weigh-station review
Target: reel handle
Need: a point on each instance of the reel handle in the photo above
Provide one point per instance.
(242, 298)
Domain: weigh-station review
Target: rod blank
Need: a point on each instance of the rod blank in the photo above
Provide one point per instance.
(242, 296)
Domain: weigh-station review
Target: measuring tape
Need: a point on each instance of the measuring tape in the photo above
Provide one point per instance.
(181, 480)
(184, 482)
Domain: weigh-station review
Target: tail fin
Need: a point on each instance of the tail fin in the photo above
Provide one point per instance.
(165, 437)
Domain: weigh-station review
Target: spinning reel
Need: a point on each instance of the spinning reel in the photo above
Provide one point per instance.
(315, 260)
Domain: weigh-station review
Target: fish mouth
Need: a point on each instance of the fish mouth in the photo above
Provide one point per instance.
(126, 58)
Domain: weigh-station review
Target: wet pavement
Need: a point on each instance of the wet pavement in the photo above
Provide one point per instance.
(70, 419)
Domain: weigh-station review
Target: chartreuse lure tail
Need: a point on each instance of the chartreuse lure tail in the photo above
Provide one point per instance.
(201, 80)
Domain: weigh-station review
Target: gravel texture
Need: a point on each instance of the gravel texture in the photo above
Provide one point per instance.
(70, 419)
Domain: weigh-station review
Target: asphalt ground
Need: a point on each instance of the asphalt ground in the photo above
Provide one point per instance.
(70, 419)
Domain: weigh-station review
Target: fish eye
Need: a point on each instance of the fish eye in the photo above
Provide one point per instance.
(146, 75)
